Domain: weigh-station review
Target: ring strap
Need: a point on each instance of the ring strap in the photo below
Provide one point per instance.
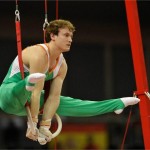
(35, 119)
(45, 122)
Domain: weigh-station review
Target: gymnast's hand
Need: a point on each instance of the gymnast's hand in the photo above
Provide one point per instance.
(33, 135)
(45, 135)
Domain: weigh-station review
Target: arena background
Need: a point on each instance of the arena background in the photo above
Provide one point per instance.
(99, 67)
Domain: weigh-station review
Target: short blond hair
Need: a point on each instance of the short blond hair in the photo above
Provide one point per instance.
(55, 25)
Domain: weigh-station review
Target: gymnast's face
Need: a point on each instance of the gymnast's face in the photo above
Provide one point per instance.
(64, 39)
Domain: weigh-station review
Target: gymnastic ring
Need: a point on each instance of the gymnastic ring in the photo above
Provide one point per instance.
(59, 126)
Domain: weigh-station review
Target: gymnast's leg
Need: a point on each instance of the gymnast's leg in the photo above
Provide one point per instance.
(14, 95)
(84, 108)
(22, 89)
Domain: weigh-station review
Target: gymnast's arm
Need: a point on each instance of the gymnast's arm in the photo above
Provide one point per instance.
(53, 99)
(38, 63)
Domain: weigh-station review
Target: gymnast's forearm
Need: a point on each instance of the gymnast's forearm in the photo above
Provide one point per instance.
(35, 104)
(35, 98)
(84, 108)
(50, 107)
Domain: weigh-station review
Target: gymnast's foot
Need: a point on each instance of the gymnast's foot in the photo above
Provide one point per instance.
(127, 101)
(32, 79)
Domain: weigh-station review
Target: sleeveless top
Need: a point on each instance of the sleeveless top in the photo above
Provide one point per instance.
(14, 74)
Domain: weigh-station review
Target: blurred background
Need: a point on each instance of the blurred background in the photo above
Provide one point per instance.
(100, 67)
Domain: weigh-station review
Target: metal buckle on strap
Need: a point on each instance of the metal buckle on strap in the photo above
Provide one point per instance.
(17, 18)
(45, 23)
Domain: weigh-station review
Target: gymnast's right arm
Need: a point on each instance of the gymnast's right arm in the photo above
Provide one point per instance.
(36, 59)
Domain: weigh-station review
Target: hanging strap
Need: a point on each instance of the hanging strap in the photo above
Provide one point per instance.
(19, 49)
(18, 36)
(56, 9)
(47, 83)
(126, 129)
(45, 24)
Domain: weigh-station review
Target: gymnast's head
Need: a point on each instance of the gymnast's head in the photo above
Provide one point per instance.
(54, 28)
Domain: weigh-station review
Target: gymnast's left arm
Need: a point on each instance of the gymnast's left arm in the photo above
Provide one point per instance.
(53, 99)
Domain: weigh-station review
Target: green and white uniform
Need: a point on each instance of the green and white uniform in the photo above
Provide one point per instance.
(13, 95)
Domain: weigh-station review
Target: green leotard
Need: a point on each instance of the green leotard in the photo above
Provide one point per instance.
(13, 95)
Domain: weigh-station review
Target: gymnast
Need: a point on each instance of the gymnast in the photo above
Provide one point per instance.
(43, 62)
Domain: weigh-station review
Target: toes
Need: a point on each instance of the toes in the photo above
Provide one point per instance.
(130, 101)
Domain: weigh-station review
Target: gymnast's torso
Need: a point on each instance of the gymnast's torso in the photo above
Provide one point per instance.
(14, 74)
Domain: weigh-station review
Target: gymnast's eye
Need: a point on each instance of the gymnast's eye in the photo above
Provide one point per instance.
(67, 35)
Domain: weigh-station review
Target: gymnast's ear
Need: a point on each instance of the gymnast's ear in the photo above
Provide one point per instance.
(52, 36)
